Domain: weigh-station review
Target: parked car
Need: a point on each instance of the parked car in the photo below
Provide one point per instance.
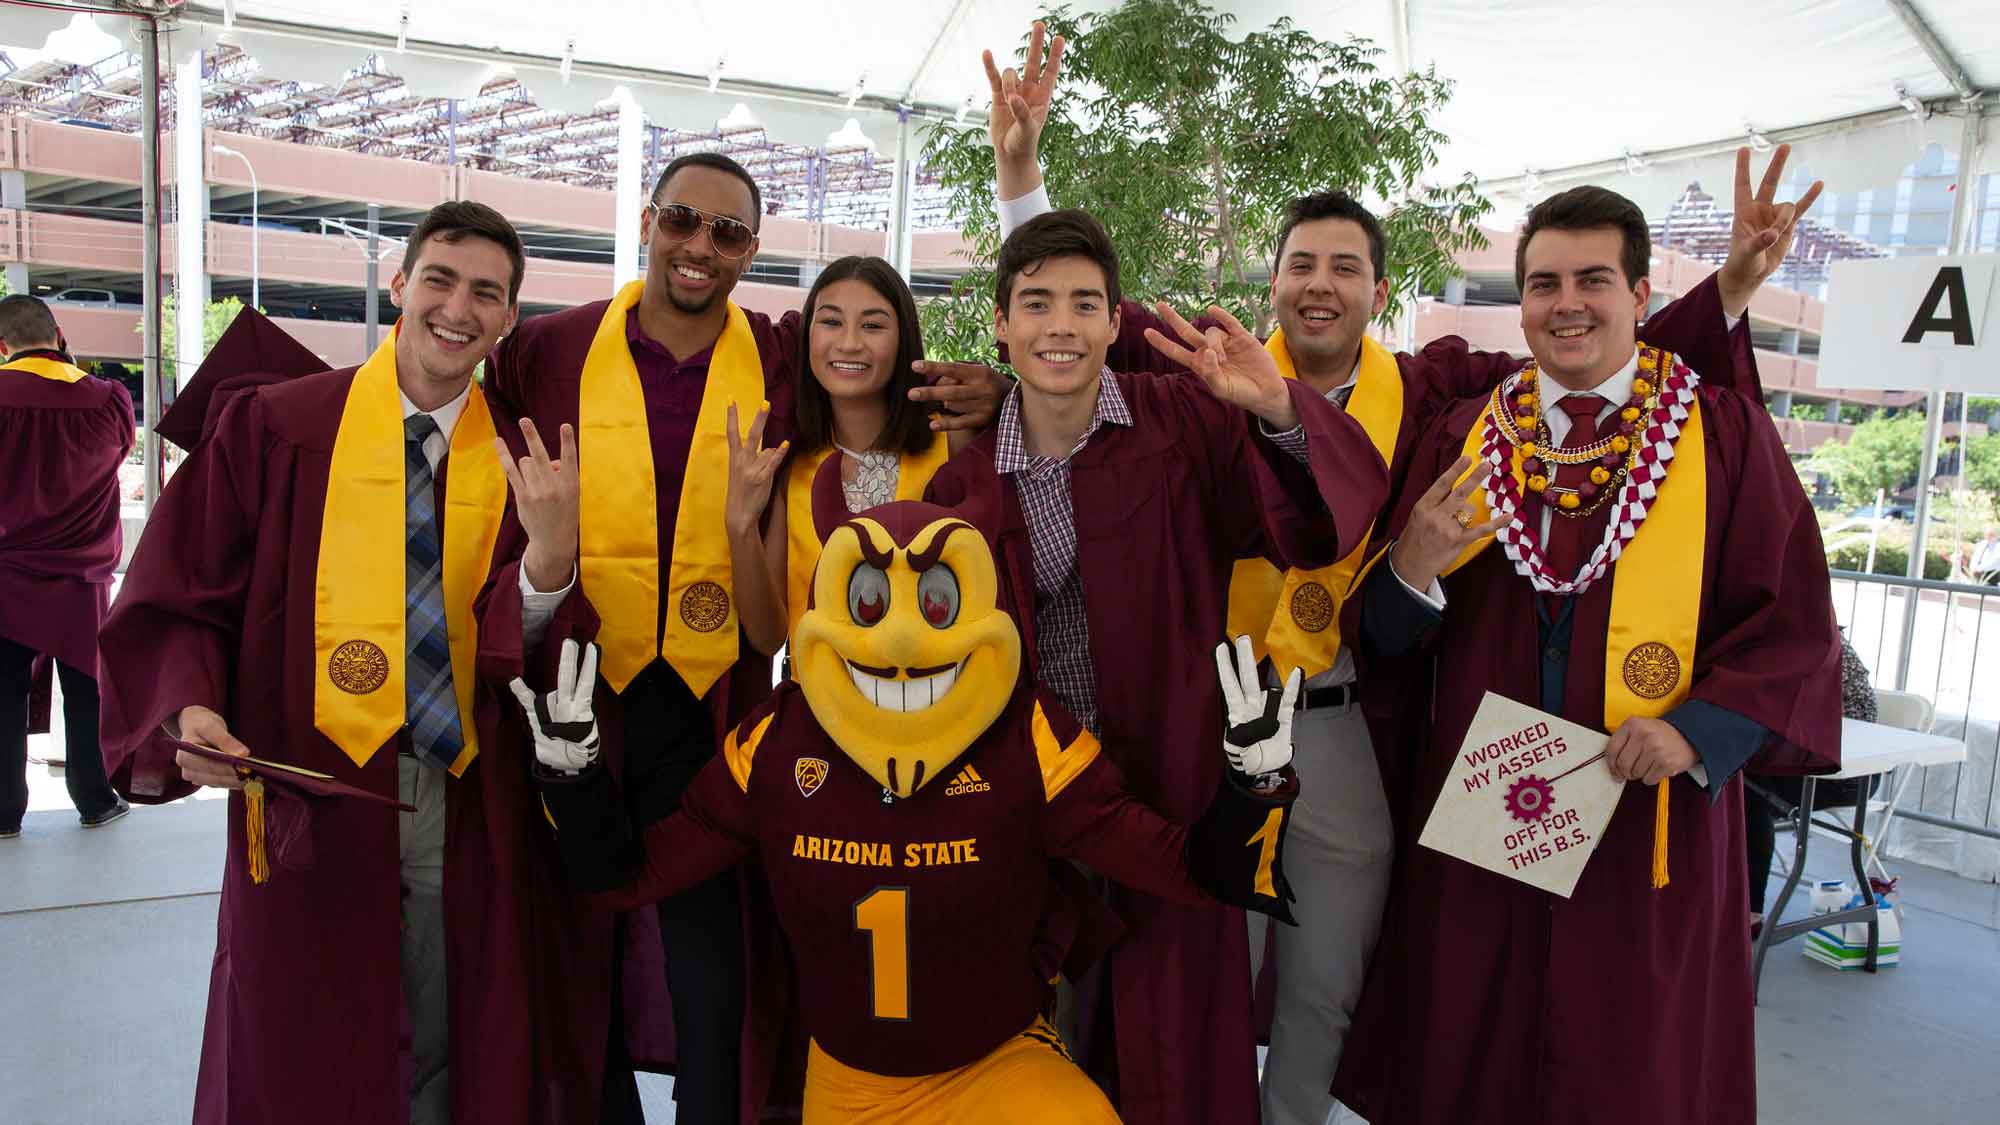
(85, 297)
(96, 298)
(1899, 512)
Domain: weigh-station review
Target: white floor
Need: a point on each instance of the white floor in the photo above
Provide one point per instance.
(107, 936)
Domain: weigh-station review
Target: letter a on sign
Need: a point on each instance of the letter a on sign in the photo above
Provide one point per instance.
(1947, 290)
(1906, 324)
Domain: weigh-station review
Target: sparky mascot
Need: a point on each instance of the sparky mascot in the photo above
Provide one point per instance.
(904, 795)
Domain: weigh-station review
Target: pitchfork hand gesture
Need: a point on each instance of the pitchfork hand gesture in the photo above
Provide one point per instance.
(1231, 362)
(1441, 527)
(1761, 234)
(1021, 101)
(1020, 109)
(546, 500)
(753, 470)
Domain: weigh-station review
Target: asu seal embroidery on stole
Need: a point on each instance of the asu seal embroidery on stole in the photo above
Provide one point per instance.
(1651, 670)
(1312, 607)
(358, 667)
(705, 606)
(810, 773)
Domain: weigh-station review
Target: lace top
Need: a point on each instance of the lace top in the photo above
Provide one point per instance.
(875, 475)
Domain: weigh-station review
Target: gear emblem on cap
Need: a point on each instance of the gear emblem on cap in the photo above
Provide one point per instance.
(1530, 798)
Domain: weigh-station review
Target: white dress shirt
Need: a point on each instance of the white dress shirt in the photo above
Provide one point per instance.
(446, 418)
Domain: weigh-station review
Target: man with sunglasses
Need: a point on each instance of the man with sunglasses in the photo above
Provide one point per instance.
(640, 385)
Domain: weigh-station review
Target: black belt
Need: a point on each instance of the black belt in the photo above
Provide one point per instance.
(1339, 695)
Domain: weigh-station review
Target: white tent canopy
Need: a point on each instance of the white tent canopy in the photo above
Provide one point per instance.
(1547, 90)
(1643, 95)
(1543, 85)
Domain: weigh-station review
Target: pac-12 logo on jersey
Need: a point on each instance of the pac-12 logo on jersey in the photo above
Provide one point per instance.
(809, 773)
(967, 781)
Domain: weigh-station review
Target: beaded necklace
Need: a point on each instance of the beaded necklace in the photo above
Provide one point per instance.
(1610, 453)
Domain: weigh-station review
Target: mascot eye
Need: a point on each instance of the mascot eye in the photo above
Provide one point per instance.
(868, 595)
(937, 596)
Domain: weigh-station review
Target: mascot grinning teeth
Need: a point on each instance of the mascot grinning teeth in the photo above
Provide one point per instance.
(905, 656)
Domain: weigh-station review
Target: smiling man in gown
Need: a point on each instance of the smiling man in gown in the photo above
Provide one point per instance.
(304, 595)
(1630, 549)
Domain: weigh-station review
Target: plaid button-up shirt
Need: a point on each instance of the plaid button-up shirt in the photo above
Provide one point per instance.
(1062, 632)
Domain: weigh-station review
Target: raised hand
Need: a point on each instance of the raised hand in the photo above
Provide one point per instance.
(564, 726)
(1259, 738)
(752, 469)
(1232, 363)
(545, 501)
(1761, 234)
(1441, 526)
(1021, 101)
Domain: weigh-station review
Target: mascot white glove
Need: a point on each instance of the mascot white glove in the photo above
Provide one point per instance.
(565, 729)
(1259, 738)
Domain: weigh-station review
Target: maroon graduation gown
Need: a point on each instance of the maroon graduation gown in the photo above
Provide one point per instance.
(1490, 1000)
(1163, 509)
(1444, 371)
(60, 448)
(537, 373)
(305, 1002)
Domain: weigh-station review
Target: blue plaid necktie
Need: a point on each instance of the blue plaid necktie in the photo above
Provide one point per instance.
(435, 734)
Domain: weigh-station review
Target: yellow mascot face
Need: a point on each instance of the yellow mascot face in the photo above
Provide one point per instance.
(905, 655)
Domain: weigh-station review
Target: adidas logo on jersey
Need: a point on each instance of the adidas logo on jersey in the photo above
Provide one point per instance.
(967, 781)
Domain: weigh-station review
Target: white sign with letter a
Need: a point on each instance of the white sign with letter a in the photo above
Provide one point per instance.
(1912, 324)
(1528, 796)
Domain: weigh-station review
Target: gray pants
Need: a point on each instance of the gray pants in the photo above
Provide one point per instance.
(422, 832)
(1337, 856)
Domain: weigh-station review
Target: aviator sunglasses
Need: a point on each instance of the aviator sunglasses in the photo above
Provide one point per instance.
(680, 223)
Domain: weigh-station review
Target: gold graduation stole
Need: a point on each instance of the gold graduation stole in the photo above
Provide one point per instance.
(1649, 648)
(618, 525)
(913, 474)
(1295, 616)
(360, 585)
(54, 370)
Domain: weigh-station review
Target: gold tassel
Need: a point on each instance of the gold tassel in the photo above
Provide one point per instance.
(1660, 837)
(253, 827)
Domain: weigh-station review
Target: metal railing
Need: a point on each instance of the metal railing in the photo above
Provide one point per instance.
(1942, 641)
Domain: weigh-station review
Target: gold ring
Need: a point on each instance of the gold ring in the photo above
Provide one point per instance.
(1463, 517)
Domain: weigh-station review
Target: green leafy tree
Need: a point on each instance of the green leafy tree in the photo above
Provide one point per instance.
(1881, 453)
(215, 320)
(1188, 143)
(1982, 464)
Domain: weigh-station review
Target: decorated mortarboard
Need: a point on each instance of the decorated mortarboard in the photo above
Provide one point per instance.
(251, 352)
(279, 799)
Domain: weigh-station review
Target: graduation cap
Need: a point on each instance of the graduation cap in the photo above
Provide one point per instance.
(252, 352)
(280, 799)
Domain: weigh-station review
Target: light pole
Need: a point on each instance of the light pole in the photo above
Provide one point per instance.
(225, 150)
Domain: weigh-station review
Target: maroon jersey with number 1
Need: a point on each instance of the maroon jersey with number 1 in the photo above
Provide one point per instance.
(912, 919)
